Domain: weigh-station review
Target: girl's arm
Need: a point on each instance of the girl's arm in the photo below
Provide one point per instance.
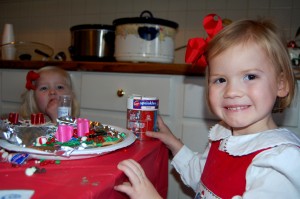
(274, 173)
(51, 110)
(187, 163)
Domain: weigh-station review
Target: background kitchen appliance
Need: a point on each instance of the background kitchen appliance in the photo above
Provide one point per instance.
(145, 39)
(92, 42)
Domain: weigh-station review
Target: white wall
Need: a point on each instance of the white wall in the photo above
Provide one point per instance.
(49, 21)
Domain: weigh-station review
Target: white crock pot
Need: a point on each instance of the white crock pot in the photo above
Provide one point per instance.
(144, 39)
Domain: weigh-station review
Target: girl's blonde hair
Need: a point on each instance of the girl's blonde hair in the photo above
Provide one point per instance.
(28, 104)
(267, 36)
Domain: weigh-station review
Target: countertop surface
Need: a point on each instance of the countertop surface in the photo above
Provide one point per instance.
(117, 67)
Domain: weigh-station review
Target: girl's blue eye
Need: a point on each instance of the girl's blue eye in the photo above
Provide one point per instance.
(219, 81)
(250, 77)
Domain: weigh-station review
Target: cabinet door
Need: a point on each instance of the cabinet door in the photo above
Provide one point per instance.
(13, 85)
(195, 105)
(99, 91)
(195, 135)
(76, 82)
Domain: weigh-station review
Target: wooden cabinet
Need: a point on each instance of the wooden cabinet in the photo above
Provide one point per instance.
(182, 105)
(12, 86)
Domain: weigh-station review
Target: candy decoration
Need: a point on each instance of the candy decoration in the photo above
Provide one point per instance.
(18, 158)
(83, 126)
(84, 180)
(41, 140)
(37, 119)
(83, 139)
(64, 133)
(3, 155)
(13, 118)
(30, 171)
(46, 162)
(57, 161)
(40, 170)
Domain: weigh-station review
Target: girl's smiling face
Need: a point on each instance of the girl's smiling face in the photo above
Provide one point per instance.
(243, 87)
(49, 87)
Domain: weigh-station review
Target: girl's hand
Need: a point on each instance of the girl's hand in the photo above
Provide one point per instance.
(166, 136)
(139, 185)
(51, 110)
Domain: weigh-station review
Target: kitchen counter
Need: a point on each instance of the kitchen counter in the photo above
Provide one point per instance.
(117, 67)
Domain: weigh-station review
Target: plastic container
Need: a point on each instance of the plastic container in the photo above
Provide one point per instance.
(142, 115)
(65, 106)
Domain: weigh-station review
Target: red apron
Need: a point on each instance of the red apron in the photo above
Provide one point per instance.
(224, 175)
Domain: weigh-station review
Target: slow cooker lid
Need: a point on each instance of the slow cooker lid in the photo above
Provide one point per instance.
(92, 26)
(144, 18)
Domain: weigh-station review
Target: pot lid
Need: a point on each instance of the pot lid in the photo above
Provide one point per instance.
(145, 17)
(92, 26)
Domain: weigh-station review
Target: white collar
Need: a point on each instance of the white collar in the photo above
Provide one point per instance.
(246, 144)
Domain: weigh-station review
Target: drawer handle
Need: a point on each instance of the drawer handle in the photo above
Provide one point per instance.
(120, 92)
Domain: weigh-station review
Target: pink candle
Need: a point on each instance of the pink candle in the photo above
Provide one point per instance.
(64, 133)
(83, 126)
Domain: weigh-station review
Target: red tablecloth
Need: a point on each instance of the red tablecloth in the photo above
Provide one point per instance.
(89, 178)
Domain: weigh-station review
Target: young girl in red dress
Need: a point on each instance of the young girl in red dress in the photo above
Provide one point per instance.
(249, 76)
(43, 89)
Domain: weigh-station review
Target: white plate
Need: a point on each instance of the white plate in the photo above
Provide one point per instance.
(76, 154)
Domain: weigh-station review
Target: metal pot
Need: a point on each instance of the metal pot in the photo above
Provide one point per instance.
(92, 42)
(145, 39)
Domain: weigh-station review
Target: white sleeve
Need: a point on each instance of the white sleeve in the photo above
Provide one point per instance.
(274, 173)
(190, 165)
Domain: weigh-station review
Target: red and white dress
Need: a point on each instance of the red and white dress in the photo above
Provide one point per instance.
(260, 165)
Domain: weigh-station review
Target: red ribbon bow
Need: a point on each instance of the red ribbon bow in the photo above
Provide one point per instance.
(31, 76)
(196, 47)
